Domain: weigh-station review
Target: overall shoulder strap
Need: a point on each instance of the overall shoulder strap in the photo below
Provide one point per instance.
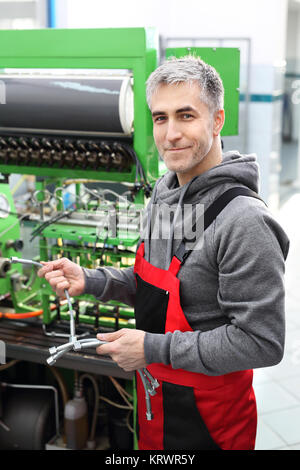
(212, 212)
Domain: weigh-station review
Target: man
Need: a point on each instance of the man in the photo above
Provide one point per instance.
(207, 316)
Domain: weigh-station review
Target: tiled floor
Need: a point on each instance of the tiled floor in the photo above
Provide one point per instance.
(277, 388)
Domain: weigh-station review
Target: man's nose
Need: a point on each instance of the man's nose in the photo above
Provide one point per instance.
(174, 131)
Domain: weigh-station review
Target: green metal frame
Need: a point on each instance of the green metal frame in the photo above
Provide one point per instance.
(134, 49)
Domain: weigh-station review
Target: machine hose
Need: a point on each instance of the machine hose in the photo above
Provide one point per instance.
(18, 316)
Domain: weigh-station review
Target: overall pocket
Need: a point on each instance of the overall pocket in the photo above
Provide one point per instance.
(151, 305)
(184, 428)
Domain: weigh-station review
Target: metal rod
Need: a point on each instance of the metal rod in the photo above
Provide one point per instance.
(14, 259)
(149, 415)
(72, 318)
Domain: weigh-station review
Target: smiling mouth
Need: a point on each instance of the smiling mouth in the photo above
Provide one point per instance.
(177, 149)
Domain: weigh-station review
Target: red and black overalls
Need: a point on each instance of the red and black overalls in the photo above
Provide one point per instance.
(191, 411)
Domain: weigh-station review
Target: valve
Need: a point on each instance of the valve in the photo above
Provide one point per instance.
(4, 266)
(17, 245)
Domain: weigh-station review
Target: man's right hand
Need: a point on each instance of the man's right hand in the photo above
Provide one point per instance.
(63, 274)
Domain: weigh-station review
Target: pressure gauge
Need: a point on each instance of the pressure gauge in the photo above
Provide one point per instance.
(4, 207)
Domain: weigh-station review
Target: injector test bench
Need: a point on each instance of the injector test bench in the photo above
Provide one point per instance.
(73, 116)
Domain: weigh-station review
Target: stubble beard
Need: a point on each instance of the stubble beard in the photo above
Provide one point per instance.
(196, 159)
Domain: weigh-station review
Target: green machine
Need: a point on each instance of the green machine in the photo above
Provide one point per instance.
(74, 108)
(74, 117)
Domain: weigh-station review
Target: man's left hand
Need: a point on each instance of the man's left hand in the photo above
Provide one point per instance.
(125, 347)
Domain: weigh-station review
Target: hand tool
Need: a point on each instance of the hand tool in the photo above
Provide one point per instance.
(150, 383)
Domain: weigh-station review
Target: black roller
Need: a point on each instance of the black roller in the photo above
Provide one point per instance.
(67, 104)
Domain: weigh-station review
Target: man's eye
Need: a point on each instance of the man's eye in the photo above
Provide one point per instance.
(187, 116)
(159, 118)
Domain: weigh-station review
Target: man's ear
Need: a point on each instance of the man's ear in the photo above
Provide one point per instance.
(219, 119)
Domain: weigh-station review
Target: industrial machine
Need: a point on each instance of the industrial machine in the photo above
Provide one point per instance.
(73, 115)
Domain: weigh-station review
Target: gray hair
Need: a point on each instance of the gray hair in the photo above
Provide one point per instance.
(188, 69)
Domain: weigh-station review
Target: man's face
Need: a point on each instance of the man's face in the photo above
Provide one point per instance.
(183, 128)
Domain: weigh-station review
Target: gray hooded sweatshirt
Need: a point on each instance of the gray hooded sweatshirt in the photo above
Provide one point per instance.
(231, 288)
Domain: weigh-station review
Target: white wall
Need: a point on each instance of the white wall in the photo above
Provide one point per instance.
(23, 14)
(292, 35)
(261, 20)
(293, 66)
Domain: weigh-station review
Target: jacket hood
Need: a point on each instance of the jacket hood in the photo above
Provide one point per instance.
(235, 168)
